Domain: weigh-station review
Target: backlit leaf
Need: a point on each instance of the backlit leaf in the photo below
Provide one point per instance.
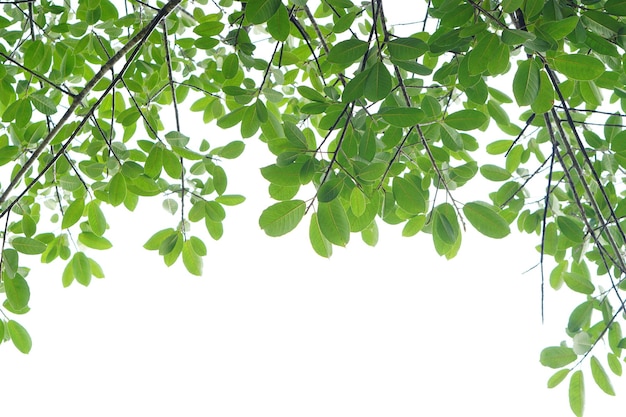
(333, 222)
(486, 220)
(28, 246)
(281, 218)
(577, 393)
(259, 11)
(557, 356)
(600, 376)
(19, 336)
(466, 119)
(347, 52)
(526, 82)
(579, 67)
(320, 244)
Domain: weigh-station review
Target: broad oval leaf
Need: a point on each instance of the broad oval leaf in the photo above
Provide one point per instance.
(334, 223)
(259, 11)
(405, 49)
(17, 291)
(402, 116)
(28, 246)
(378, 84)
(557, 356)
(526, 82)
(579, 67)
(467, 119)
(191, 259)
(571, 228)
(486, 220)
(19, 336)
(557, 378)
(281, 218)
(578, 283)
(408, 196)
(347, 52)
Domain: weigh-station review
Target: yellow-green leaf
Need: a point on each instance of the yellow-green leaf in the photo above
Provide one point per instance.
(281, 218)
(577, 393)
(19, 336)
(600, 376)
(579, 67)
(486, 220)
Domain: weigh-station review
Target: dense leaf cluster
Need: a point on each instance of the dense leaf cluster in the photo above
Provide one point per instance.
(367, 124)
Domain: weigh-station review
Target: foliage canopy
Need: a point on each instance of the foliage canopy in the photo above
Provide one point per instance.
(369, 122)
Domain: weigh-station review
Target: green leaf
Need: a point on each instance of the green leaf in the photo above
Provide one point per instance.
(117, 192)
(355, 89)
(578, 283)
(408, 196)
(486, 220)
(466, 119)
(278, 25)
(73, 213)
(43, 104)
(600, 376)
(579, 316)
(526, 82)
(17, 291)
(579, 67)
(577, 393)
(571, 228)
(320, 244)
(615, 7)
(281, 218)
(154, 243)
(94, 241)
(545, 97)
(97, 221)
(232, 150)
(191, 259)
(230, 66)
(81, 268)
(445, 228)
(347, 52)
(28, 246)
(494, 173)
(329, 190)
(259, 11)
(557, 378)
(405, 49)
(378, 84)
(333, 222)
(557, 356)
(414, 225)
(19, 336)
(402, 116)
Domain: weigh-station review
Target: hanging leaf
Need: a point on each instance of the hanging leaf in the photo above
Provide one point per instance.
(19, 336)
(486, 220)
(378, 84)
(405, 49)
(600, 376)
(191, 259)
(17, 291)
(526, 82)
(28, 246)
(577, 393)
(281, 218)
(320, 244)
(557, 378)
(333, 222)
(402, 116)
(408, 196)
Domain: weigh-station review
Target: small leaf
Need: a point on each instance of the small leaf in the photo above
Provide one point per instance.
(578, 283)
(600, 376)
(577, 393)
(571, 228)
(557, 356)
(557, 378)
(17, 291)
(329, 190)
(96, 218)
(19, 336)
(232, 150)
(486, 220)
(408, 196)
(282, 218)
(117, 190)
(81, 268)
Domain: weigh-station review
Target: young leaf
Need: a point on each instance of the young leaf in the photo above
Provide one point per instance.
(281, 218)
(577, 393)
(600, 376)
(19, 336)
(73, 213)
(557, 378)
(117, 190)
(17, 291)
(557, 356)
(81, 268)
